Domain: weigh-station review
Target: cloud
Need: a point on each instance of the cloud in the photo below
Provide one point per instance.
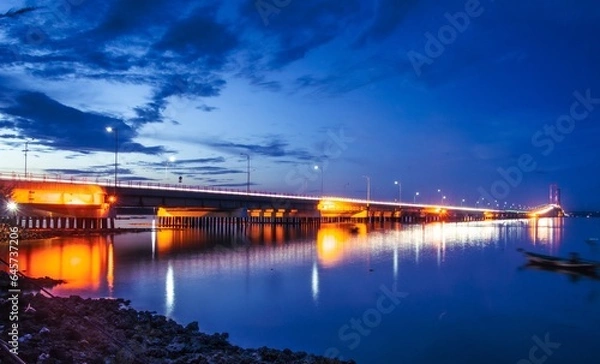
(294, 32)
(183, 162)
(198, 38)
(35, 115)
(201, 160)
(13, 13)
(206, 108)
(349, 77)
(389, 15)
(90, 172)
(205, 171)
(172, 47)
(274, 146)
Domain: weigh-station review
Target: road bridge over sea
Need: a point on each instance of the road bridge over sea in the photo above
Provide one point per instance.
(39, 201)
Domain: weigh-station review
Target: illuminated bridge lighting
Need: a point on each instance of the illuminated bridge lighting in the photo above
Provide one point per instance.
(325, 202)
(12, 206)
(545, 209)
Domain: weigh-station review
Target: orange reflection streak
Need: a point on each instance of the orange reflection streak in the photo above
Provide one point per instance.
(546, 231)
(110, 269)
(164, 241)
(79, 261)
(330, 243)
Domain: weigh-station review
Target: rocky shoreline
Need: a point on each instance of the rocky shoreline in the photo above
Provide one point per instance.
(26, 283)
(75, 330)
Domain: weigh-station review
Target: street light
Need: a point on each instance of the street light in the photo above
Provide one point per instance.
(462, 201)
(25, 152)
(12, 206)
(415, 197)
(399, 190)
(317, 168)
(443, 199)
(247, 171)
(116, 131)
(368, 189)
(170, 159)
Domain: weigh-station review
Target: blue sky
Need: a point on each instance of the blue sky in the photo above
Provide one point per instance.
(494, 99)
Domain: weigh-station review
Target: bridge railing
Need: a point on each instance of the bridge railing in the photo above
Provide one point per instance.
(107, 182)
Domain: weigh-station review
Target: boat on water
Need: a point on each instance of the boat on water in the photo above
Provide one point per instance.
(573, 274)
(591, 240)
(572, 263)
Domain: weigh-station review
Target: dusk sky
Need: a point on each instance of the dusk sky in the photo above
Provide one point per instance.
(478, 99)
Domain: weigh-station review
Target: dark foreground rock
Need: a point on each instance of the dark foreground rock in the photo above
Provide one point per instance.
(26, 283)
(77, 330)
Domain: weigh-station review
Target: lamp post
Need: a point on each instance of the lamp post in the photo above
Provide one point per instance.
(443, 199)
(247, 171)
(170, 159)
(320, 168)
(368, 189)
(399, 190)
(116, 131)
(25, 152)
(415, 197)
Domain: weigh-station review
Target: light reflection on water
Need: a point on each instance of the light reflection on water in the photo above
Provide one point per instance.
(295, 287)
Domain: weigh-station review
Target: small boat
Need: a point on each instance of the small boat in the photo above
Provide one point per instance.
(591, 240)
(574, 274)
(572, 263)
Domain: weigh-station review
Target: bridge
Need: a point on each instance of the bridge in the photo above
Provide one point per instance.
(40, 201)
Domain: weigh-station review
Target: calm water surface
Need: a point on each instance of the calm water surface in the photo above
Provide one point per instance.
(438, 293)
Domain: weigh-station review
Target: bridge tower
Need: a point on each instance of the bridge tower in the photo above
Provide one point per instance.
(554, 196)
